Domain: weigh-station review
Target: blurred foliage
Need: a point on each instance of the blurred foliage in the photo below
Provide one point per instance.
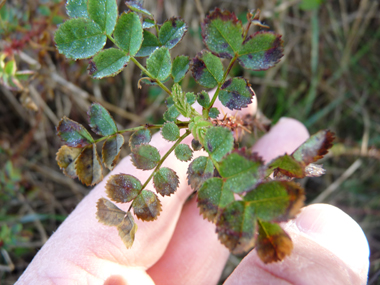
(330, 76)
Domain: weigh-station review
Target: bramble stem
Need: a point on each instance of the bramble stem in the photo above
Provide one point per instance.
(162, 161)
(151, 76)
(226, 72)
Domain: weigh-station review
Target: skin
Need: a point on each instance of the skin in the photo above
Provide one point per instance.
(182, 248)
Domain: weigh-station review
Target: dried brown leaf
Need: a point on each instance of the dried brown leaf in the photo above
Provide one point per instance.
(66, 157)
(108, 213)
(88, 166)
(127, 230)
(111, 150)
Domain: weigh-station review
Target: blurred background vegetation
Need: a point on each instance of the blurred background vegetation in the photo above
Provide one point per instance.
(329, 77)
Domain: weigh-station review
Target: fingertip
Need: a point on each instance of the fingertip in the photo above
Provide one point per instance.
(284, 137)
(338, 232)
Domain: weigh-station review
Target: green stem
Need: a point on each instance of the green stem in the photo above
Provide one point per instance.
(162, 161)
(151, 76)
(226, 72)
(143, 68)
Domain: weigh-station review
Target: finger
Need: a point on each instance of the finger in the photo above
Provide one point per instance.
(82, 245)
(201, 247)
(194, 255)
(329, 248)
(284, 137)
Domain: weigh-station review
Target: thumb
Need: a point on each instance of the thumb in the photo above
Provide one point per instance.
(329, 248)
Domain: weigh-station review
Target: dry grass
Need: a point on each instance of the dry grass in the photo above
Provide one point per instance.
(328, 78)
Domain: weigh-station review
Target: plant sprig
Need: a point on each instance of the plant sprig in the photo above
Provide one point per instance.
(226, 171)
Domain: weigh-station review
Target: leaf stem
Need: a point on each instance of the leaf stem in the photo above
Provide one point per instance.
(151, 76)
(226, 72)
(162, 161)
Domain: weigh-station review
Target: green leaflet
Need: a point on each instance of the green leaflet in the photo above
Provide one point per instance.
(170, 131)
(73, 133)
(79, 38)
(236, 93)
(104, 13)
(261, 51)
(207, 69)
(222, 33)
(149, 44)
(159, 64)
(77, 8)
(128, 33)
(101, 121)
(180, 67)
(218, 142)
(171, 32)
(109, 62)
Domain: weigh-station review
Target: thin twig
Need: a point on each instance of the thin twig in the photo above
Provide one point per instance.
(334, 186)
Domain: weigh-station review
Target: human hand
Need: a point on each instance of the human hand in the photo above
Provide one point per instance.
(182, 248)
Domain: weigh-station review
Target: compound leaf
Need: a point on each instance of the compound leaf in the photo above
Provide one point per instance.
(236, 93)
(101, 121)
(145, 157)
(165, 181)
(314, 148)
(149, 44)
(123, 188)
(222, 33)
(207, 69)
(77, 8)
(236, 227)
(79, 38)
(276, 200)
(111, 150)
(104, 13)
(159, 63)
(183, 152)
(137, 7)
(200, 169)
(180, 67)
(109, 62)
(273, 243)
(170, 131)
(73, 134)
(129, 33)
(171, 32)
(240, 173)
(139, 137)
(261, 51)
(218, 142)
(147, 206)
(171, 114)
(88, 166)
(66, 157)
(108, 213)
(288, 166)
(212, 196)
(127, 230)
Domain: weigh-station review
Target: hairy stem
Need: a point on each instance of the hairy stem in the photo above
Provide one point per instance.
(162, 161)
